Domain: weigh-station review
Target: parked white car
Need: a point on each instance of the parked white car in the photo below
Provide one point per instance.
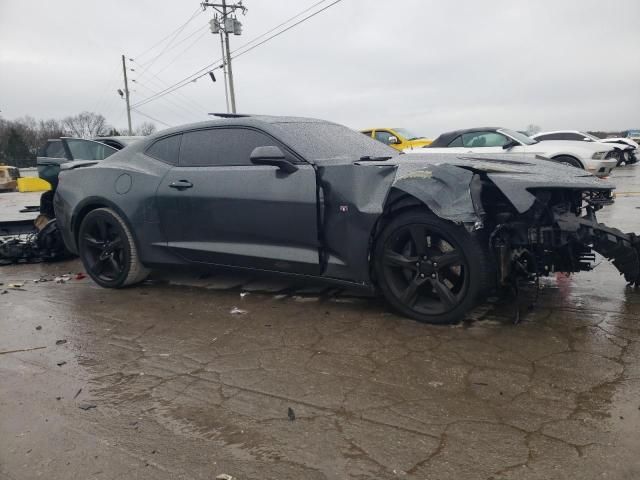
(597, 158)
(627, 149)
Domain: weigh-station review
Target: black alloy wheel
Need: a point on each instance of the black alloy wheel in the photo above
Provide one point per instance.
(428, 268)
(107, 250)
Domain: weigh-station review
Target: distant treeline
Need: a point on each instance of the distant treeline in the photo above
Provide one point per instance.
(21, 139)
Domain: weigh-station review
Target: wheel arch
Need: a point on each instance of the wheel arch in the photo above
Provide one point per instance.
(570, 155)
(93, 203)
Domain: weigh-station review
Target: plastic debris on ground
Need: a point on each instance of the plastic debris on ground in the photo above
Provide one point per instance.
(237, 311)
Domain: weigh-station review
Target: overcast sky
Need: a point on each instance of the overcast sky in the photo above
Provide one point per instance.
(430, 66)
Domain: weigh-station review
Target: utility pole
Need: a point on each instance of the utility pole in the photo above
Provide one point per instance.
(126, 93)
(228, 23)
(232, 93)
(224, 70)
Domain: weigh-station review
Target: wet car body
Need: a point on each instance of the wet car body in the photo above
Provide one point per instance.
(319, 209)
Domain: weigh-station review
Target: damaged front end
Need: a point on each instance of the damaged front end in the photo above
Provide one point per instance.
(559, 233)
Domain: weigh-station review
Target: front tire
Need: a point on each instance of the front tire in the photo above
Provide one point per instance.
(430, 269)
(108, 251)
(567, 160)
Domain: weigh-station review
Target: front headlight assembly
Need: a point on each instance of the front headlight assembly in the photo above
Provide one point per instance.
(599, 155)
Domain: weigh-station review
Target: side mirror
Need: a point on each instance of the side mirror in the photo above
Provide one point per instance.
(509, 145)
(587, 139)
(272, 155)
(393, 140)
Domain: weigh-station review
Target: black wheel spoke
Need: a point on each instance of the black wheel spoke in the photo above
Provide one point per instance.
(115, 265)
(409, 295)
(445, 295)
(115, 243)
(449, 259)
(98, 266)
(102, 229)
(419, 238)
(394, 259)
(92, 242)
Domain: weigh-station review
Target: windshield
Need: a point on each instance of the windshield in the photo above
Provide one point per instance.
(592, 137)
(523, 139)
(408, 134)
(319, 140)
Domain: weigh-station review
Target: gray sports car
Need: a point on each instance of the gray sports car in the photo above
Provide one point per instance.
(306, 197)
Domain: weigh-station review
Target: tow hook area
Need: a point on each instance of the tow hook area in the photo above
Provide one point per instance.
(621, 249)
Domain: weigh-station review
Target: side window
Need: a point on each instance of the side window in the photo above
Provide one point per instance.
(556, 136)
(221, 147)
(166, 149)
(54, 149)
(88, 149)
(483, 139)
(367, 133)
(457, 142)
(575, 136)
(383, 136)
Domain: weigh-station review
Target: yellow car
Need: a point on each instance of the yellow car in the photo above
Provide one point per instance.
(398, 138)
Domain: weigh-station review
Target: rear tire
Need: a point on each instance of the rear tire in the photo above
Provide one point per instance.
(430, 269)
(567, 160)
(108, 251)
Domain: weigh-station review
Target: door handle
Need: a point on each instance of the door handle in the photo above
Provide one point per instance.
(181, 184)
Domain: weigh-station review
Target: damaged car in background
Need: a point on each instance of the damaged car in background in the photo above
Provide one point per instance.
(24, 241)
(433, 233)
(597, 158)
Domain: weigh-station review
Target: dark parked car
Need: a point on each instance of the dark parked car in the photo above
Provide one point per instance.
(311, 198)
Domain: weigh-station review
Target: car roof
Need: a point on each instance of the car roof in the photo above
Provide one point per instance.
(557, 131)
(246, 120)
(446, 138)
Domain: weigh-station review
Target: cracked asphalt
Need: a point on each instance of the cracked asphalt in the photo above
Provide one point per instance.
(161, 381)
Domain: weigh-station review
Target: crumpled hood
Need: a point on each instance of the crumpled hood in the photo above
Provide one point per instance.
(514, 175)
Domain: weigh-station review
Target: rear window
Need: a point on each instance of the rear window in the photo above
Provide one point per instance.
(166, 149)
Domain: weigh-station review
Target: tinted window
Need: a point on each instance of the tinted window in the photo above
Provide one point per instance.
(575, 136)
(316, 140)
(383, 136)
(553, 136)
(221, 146)
(88, 149)
(483, 139)
(54, 149)
(166, 149)
(455, 143)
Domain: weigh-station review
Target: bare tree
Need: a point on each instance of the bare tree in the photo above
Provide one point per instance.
(145, 128)
(532, 129)
(86, 125)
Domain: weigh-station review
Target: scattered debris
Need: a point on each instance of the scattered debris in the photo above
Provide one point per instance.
(237, 311)
(77, 393)
(80, 276)
(224, 476)
(436, 384)
(291, 414)
(4, 291)
(60, 342)
(61, 363)
(86, 406)
(58, 398)
(243, 294)
(164, 354)
(39, 327)
(62, 279)
(481, 383)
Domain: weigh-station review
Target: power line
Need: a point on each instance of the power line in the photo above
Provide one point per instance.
(285, 30)
(205, 70)
(169, 35)
(165, 48)
(151, 118)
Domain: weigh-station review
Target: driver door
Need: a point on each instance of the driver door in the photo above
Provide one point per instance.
(216, 207)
